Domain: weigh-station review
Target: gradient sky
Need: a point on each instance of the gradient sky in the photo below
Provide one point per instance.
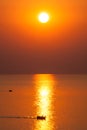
(27, 46)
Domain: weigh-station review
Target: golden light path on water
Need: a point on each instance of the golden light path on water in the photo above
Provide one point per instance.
(44, 98)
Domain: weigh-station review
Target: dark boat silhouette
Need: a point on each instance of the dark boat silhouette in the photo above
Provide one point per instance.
(10, 90)
(41, 117)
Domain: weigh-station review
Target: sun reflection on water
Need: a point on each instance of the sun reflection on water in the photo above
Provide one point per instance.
(43, 102)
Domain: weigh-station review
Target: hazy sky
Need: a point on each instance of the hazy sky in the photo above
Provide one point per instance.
(27, 46)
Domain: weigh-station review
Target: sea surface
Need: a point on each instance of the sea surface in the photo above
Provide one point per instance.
(61, 98)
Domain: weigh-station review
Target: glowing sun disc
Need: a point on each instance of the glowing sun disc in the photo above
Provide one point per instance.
(43, 17)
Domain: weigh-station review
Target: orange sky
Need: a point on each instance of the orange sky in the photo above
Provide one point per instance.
(55, 43)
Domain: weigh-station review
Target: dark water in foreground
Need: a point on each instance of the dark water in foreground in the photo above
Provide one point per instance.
(62, 98)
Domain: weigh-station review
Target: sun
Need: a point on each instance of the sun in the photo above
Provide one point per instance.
(43, 17)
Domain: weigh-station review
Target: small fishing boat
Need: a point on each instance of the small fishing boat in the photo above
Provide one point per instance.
(10, 90)
(41, 117)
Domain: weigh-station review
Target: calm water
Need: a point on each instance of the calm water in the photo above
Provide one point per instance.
(62, 98)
